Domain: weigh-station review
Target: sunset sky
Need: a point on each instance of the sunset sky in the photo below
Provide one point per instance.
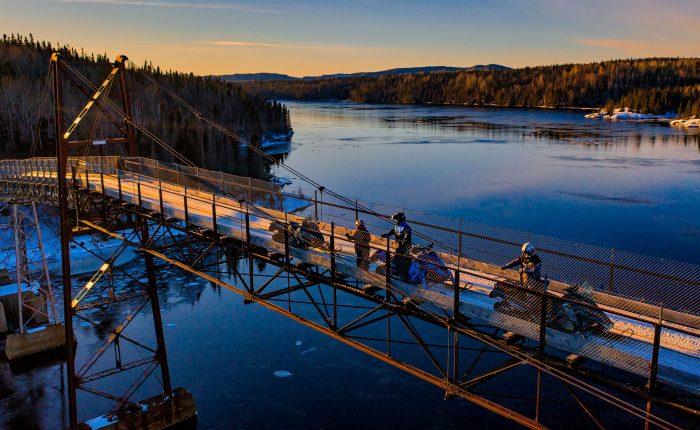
(315, 37)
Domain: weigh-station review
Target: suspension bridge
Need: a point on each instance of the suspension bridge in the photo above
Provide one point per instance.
(643, 361)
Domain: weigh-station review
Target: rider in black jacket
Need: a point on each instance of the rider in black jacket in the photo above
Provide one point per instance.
(403, 236)
(529, 262)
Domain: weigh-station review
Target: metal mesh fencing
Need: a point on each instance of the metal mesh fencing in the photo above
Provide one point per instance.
(595, 302)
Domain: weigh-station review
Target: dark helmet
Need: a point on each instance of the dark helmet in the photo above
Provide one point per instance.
(398, 217)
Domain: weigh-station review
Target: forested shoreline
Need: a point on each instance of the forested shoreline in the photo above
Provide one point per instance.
(26, 109)
(650, 85)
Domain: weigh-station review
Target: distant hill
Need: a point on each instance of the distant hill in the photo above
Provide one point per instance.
(647, 85)
(263, 76)
(409, 71)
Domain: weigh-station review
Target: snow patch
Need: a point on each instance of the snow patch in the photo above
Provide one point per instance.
(99, 422)
(625, 114)
(10, 289)
(36, 329)
(686, 123)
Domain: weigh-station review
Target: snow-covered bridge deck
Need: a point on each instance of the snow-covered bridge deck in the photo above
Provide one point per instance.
(222, 203)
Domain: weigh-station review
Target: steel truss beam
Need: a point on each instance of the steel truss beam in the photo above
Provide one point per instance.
(452, 384)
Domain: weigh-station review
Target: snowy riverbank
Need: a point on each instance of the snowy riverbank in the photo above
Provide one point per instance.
(686, 123)
(625, 114)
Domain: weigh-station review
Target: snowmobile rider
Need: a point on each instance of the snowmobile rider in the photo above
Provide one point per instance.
(402, 233)
(361, 237)
(529, 262)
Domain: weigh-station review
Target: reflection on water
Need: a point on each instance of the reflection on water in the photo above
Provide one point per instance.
(623, 185)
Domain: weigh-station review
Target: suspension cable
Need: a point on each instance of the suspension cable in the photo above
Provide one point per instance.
(42, 107)
(262, 153)
(131, 121)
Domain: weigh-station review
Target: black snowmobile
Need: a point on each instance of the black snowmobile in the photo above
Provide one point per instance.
(582, 319)
(561, 314)
(303, 236)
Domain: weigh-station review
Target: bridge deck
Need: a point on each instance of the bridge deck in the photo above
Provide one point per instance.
(627, 345)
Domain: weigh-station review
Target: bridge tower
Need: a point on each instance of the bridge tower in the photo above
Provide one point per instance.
(168, 404)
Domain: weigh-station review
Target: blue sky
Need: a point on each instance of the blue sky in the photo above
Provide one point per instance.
(314, 37)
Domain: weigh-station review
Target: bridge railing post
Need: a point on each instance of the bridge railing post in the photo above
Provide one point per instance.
(138, 190)
(213, 213)
(186, 209)
(387, 297)
(286, 242)
(611, 280)
(316, 205)
(543, 318)
(654, 364)
(102, 182)
(387, 266)
(247, 227)
(160, 197)
(251, 274)
(119, 186)
(333, 274)
(653, 367)
(455, 304)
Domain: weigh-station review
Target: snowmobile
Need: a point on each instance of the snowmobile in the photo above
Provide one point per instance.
(415, 273)
(582, 319)
(561, 314)
(430, 263)
(303, 236)
(426, 265)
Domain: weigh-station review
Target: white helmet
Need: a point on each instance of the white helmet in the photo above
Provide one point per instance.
(528, 248)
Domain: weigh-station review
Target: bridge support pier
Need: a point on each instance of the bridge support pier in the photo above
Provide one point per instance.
(152, 289)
